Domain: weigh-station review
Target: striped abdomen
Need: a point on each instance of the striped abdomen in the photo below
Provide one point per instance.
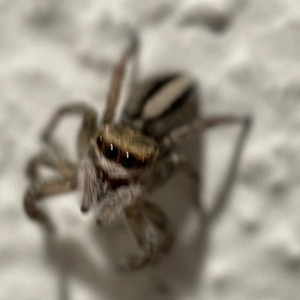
(161, 104)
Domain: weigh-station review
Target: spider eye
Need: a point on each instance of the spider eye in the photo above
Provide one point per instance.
(111, 152)
(99, 141)
(127, 160)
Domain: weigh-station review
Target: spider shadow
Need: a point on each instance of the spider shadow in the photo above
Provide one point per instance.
(174, 274)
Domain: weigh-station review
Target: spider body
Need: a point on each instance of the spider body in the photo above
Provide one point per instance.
(121, 160)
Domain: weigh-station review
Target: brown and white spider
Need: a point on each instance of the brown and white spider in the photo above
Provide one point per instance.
(120, 161)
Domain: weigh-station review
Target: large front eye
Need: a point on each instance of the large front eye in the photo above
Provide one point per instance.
(99, 141)
(127, 160)
(111, 152)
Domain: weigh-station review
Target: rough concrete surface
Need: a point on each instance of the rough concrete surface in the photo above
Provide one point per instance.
(245, 55)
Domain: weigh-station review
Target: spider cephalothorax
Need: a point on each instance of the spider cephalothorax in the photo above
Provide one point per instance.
(120, 161)
(125, 146)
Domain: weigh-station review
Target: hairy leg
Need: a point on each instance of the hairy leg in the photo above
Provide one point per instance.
(162, 223)
(151, 229)
(40, 190)
(89, 184)
(198, 125)
(63, 167)
(167, 166)
(173, 162)
(117, 80)
(112, 204)
(222, 196)
(89, 125)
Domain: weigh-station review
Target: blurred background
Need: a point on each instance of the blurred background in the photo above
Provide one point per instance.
(245, 56)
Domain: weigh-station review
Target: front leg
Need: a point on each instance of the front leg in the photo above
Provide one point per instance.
(145, 235)
(38, 191)
(89, 184)
(116, 201)
(152, 231)
(169, 165)
(65, 181)
(88, 127)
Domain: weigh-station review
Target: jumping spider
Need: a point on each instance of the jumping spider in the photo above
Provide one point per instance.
(122, 160)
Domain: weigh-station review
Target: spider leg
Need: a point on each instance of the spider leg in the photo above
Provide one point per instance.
(180, 133)
(58, 164)
(40, 190)
(171, 164)
(162, 223)
(89, 125)
(167, 166)
(117, 79)
(151, 229)
(222, 196)
(113, 204)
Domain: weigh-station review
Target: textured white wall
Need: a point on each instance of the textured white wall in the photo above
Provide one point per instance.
(55, 51)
